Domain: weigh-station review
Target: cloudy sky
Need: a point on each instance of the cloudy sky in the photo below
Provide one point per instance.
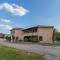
(27, 13)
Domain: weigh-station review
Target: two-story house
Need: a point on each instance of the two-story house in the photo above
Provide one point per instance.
(43, 34)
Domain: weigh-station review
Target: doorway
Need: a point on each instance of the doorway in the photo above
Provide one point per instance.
(41, 38)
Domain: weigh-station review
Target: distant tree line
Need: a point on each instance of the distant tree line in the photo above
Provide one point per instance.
(56, 35)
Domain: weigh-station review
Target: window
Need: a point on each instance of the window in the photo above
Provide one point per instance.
(40, 38)
(34, 30)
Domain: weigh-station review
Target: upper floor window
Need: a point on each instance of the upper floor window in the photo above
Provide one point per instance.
(34, 30)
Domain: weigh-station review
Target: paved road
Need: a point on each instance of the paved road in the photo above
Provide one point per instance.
(50, 53)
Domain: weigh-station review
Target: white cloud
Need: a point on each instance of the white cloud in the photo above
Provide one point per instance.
(8, 27)
(6, 24)
(14, 9)
(5, 20)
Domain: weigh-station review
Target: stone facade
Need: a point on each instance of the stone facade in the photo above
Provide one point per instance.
(44, 33)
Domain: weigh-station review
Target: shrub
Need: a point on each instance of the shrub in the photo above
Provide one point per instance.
(8, 38)
(34, 39)
(31, 38)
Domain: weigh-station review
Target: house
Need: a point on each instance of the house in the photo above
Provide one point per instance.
(42, 34)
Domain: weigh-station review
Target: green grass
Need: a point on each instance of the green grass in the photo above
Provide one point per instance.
(7, 53)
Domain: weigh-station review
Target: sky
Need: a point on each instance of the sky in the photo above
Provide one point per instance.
(27, 13)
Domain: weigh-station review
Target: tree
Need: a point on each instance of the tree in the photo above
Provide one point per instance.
(56, 35)
(8, 38)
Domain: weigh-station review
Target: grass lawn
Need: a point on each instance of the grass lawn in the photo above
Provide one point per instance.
(7, 53)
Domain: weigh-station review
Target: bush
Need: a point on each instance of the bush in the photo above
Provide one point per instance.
(57, 38)
(34, 39)
(8, 38)
(31, 38)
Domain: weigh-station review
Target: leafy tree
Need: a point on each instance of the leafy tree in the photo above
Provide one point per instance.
(56, 35)
(8, 38)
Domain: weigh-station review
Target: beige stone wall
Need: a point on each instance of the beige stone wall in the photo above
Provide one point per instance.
(46, 33)
(18, 33)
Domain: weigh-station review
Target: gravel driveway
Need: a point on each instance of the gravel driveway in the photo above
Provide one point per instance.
(50, 53)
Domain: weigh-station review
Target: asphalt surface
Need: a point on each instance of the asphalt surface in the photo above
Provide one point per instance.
(49, 52)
